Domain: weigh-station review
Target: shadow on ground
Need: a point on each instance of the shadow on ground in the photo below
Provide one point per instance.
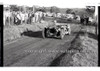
(56, 62)
(91, 35)
(94, 36)
(37, 34)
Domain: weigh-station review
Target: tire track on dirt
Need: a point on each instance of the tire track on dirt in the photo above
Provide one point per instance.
(19, 54)
(20, 45)
(40, 58)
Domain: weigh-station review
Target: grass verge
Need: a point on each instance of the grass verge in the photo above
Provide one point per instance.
(83, 50)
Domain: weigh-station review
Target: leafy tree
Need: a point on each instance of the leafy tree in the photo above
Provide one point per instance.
(54, 9)
(14, 8)
(90, 8)
(69, 11)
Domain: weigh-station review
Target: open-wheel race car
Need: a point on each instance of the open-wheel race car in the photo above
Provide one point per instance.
(58, 31)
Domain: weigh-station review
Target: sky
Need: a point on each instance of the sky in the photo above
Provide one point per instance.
(58, 3)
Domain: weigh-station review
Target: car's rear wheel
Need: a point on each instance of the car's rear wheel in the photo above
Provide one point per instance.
(44, 33)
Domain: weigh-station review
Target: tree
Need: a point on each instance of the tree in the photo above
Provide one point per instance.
(73, 13)
(54, 9)
(90, 9)
(14, 8)
(69, 11)
(43, 9)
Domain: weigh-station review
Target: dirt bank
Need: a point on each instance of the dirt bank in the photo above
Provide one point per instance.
(83, 50)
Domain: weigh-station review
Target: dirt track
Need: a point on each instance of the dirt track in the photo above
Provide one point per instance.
(35, 51)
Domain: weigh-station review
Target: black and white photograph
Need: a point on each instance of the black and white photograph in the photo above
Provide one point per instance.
(37, 34)
(0, 45)
(1, 20)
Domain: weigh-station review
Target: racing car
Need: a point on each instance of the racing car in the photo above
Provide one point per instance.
(58, 31)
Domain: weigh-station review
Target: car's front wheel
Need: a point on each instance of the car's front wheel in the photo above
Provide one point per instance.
(61, 34)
